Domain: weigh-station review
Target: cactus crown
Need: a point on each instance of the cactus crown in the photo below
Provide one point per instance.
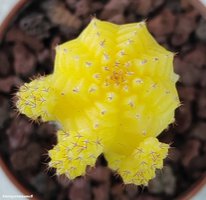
(113, 92)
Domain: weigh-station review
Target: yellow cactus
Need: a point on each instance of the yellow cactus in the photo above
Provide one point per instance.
(113, 92)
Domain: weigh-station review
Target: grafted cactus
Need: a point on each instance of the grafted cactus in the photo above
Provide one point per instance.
(113, 92)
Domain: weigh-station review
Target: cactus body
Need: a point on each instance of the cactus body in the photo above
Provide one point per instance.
(113, 92)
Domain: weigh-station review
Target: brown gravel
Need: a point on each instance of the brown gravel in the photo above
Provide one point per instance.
(7, 83)
(5, 66)
(19, 132)
(24, 60)
(28, 48)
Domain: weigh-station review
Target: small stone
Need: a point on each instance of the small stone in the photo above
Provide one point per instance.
(186, 48)
(6, 84)
(189, 151)
(24, 61)
(189, 74)
(196, 57)
(99, 174)
(59, 15)
(186, 5)
(83, 8)
(204, 148)
(131, 190)
(162, 25)
(64, 181)
(5, 66)
(117, 191)
(187, 93)
(19, 132)
(118, 19)
(202, 78)
(44, 185)
(155, 186)
(17, 35)
(80, 190)
(71, 3)
(198, 163)
(144, 8)
(184, 27)
(101, 192)
(174, 6)
(198, 131)
(4, 110)
(164, 182)
(167, 136)
(174, 155)
(111, 9)
(183, 117)
(169, 181)
(35, 24)
(201, 105)
(47, 130)
(96, 6)
(43, 56)
(27, 158)
(201, 30)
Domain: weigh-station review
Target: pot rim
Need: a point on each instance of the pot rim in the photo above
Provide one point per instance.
(5, 23)
(14, 180)
(187, 195)
(3, 26)
(193, 189)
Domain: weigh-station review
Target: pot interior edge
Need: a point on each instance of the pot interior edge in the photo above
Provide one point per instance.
(18, 7)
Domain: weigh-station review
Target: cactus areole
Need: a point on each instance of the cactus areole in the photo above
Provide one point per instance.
(113, 92)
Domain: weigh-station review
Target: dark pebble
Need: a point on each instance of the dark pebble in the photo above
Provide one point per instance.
(27, 158)
(59, 15)
(184, 27)
(189, 74)
(183, 117)
(111, 9)
(187, 94)
(99, 174)
(80, 190)
(202, 78)
(19, 132)
(201, 30)
(174, 155)
(162, 25)
(189, 151)
(144, 8)
(196, 57)
(5, 66)
(198, 163)
(199, 131)
(201, 104)
(83, 8)
(7, 83)
(17, 35)
(24, 60)
(101, 192)
(164, 182)
(44, 185)
(35, 25)
(4, 110)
